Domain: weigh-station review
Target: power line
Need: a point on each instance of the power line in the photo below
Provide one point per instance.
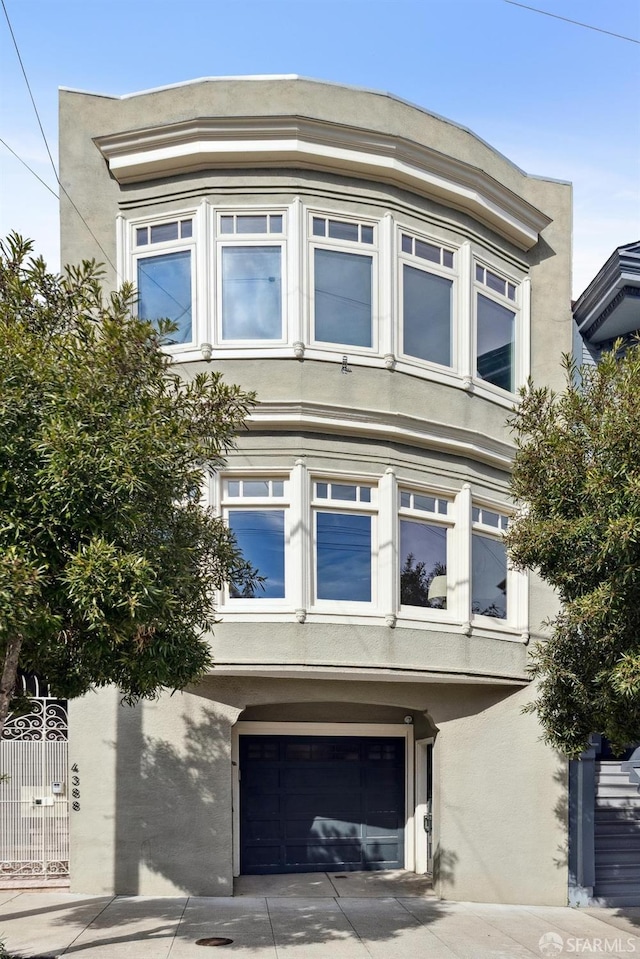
(35, 108)
(5, 144)
(577, 23)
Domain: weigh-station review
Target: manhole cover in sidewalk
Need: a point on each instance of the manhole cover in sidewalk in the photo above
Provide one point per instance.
(214, 941)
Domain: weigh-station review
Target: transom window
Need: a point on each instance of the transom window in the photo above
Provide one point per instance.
(423, 550)
(342, 230)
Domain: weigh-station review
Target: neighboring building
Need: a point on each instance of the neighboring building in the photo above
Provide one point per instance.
(604, 797)
(609, 308)
(385, 281)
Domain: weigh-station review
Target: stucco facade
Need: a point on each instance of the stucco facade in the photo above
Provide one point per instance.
(384, 281)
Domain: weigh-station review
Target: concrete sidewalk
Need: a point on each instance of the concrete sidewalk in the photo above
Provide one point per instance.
(332, 922)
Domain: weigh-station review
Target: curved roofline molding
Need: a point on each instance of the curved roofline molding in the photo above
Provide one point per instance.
(209, 143)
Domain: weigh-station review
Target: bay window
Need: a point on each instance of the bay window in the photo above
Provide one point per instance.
(343, 282)
(496, 317)
(250, 277)
(164, 275)
(489, 570)
(255, 510)
(423, 550)
(427, 301)
(343, 526)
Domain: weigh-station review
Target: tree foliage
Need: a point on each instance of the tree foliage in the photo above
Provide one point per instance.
(108, 559)
(577, 476)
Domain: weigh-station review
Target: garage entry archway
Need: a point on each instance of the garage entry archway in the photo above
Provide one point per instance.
(316, 797)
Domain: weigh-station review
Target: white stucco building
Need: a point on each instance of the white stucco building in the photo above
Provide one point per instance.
(385, 281)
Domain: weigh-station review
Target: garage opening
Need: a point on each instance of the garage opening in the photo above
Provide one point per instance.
(318, 803)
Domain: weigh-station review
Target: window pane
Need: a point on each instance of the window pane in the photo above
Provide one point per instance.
(277, 487)
(260, 536)
(488, 577)
(164, 231)
(427, 251)
(256, 488)
(490, 518)
(496, 333)
(426, 316)
(495, 282)
(365, 494)
(233, 487)
(427, 503)
(164, 288)
(423, 565)
(275, 223)
(480, 273)
(319, 226)
(251, 224)
(447, 258)
(186, 228)
(343, 298)
(366, 234)
(343, 231)
(341, 491)
(322, 490)
(226, 224)
(511, 291)
(343, 553)
(407, 244)
(142, 236)
(251, 293)
(405, 499)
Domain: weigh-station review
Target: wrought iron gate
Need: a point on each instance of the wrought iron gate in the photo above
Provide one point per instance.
(34, 813)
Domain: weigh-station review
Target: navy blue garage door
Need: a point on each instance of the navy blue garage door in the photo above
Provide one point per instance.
(310, 804)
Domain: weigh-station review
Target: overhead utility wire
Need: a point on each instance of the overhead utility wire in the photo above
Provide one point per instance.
(5, 144)
(55, 172)
(576, 23)
(35, 108)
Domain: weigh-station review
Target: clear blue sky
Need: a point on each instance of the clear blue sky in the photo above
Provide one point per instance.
(558, 99)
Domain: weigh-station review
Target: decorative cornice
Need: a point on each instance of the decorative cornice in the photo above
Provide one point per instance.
(209, 143)
(325, 418)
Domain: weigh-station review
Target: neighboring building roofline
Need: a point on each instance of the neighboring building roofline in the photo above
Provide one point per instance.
(617, 279)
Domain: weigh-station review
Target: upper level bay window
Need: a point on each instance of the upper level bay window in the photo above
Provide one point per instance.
(343, 527)
(164, 274)
(343, 281)
(423, 550)
(426, 300)
(250, 273)
(496, 318)
(489, 571)
(255, 509)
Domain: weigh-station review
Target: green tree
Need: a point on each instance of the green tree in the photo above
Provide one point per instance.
(108, 559)
(577, 477)
(415, 580)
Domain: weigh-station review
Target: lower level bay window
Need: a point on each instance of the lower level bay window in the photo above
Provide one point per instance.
(343, 542)
(489, 572)
(259, 528)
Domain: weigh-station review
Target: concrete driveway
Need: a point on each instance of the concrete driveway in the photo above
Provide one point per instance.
(320, 916)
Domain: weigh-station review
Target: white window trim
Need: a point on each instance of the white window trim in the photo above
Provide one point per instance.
(224, 240)
(133, 254)
(521, 334)
(371, 509)
(227, 603)
(357, 248)
(427, 266)
(447, 521)
(397, 731)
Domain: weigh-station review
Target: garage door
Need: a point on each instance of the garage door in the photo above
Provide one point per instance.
(310, 804)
